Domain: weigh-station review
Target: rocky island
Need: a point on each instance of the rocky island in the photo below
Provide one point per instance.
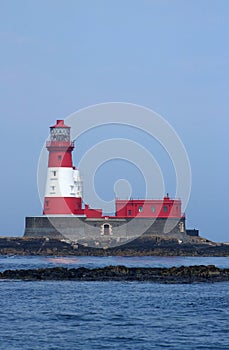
(142, 246)
(182, 274)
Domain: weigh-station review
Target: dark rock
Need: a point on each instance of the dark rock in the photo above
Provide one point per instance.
(143, 246)
(182, 274)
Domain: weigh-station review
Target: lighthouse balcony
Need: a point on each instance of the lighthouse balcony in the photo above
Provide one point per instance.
(60, 144)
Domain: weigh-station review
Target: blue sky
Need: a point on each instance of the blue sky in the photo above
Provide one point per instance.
(169, 55)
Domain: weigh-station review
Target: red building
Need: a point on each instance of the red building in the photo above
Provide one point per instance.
(149, 208)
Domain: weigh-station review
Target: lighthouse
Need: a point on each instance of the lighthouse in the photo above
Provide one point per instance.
(66, 216)
(63, 193)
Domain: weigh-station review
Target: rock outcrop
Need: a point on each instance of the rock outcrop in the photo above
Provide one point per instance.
(183, 274)
(143, 246)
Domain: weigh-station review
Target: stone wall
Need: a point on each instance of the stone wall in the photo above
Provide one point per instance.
(100, 230)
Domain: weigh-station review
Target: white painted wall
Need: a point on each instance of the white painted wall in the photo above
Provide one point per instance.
(63, 182)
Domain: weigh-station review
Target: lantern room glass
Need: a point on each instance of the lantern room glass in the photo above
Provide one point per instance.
(60, 134)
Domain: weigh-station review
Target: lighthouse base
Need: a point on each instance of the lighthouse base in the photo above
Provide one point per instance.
(103, 231)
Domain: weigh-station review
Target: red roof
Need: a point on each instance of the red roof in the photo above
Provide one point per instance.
(60, 124)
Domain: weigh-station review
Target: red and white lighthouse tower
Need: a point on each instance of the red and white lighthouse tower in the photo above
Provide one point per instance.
(63, 194)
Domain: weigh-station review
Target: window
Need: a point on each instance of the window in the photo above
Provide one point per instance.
(129, 212)
(140, 209)
(106, 229)
(53, 188)
(165, 209)
(54, 172)
(47, 203)
(153, 209)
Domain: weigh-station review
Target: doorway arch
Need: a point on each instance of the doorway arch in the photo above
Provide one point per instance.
(106, 229)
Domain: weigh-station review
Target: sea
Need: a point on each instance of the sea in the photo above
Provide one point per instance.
(112, 315)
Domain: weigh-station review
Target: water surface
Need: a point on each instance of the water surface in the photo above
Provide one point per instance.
(66, 315)
(113, 315)
(20, 262)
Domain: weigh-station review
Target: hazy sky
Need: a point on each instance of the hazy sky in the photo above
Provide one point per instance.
(169, 55)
